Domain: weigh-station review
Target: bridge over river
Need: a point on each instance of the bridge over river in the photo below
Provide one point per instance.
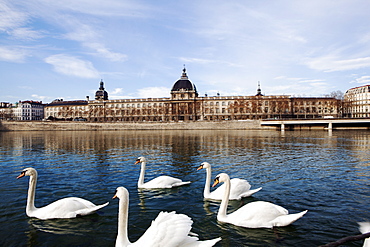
(322, 123)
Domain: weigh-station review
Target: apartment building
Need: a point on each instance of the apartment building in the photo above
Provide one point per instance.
(28, 110)
(357, 102)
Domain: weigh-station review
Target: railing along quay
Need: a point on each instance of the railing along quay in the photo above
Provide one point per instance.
(326, 123)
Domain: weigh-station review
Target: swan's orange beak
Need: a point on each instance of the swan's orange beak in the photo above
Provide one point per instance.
(114, 197)
(216, 182)
(199, 168)
(138, 161)
(21, 175)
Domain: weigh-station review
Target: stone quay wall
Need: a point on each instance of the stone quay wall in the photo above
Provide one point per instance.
(75, 126)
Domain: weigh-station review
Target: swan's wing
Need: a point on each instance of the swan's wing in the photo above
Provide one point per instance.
(239, 188)
(171, 229)
(256, 215)
(168, 229)
(365, 228)
(66, 208)
(164, 182)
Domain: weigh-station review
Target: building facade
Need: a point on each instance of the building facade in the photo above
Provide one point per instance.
(357, 102)
(29, 110)
(66, 110)
(185, 104)
(6, 111)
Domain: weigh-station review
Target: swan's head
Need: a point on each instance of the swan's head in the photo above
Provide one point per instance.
(140, 160)
(204, 165)
(28, 172)
(121, 193)
(220, 178)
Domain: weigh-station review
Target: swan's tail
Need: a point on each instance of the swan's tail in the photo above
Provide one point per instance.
(250, 192)
(202, 243)
(288, 219)
(91, 210)
(101, 206)
(210, 242)
(180, 184)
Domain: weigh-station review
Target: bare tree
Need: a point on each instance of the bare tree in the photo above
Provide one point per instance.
(335, 94)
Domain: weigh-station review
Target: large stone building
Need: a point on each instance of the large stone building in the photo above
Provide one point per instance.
(357, 102)
(185, 104)
(66, 110)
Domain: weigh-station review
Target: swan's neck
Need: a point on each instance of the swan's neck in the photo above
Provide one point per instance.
(207, 190)
(225, 200)
(31, 195)
(122, 237)
(142, 174)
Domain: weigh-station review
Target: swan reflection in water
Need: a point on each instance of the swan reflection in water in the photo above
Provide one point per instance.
(211, 206)
(146, 194)
(256, 236)
(79, 226)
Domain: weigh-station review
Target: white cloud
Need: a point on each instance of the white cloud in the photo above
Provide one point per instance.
(332, 63)
(88, 36)
(203, 61)
(25, 87)
(290, 86)
(10, 18)
(26, 34)
(154, 92)
(39, 97)
(13, 54)
(72, 66)
(79, 31)
(362, 80)
(106, 53)
(116, 91)
(99, 8)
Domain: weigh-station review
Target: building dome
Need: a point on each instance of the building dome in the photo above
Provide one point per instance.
(101, 94)
(183, 84)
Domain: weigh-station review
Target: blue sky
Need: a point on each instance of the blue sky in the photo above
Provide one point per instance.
(62, 49)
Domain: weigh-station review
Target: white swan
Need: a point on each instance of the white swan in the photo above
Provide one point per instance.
(365, 228)
(239, 187)
(161, 182)
(70, 207)
(168, 229)
(257, 214)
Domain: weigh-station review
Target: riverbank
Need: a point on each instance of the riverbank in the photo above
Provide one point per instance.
(48, 126)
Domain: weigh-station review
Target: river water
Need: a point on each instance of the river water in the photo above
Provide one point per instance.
(326, 173)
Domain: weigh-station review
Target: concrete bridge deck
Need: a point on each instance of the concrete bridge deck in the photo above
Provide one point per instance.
(327, 123)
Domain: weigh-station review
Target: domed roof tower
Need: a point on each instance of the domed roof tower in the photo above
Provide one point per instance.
(184, 88)
(101, 94)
